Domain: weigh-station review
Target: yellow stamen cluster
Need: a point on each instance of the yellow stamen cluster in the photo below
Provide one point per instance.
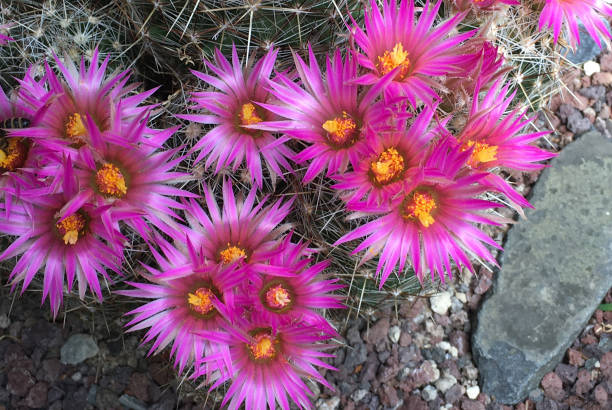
(231, 254)
(278, 297)
(13, 154)
(75, 129)
(263, 347)
(388, 167)
(483, 152)
(419, 205)
(341, 130)
(248, 115)
(72, 228)
(110, 181)
(200, 301)
(394, 58)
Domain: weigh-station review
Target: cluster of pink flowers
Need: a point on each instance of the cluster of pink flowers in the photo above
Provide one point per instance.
(235, 297)
(78, 158)
(232, 295)
(371, 122)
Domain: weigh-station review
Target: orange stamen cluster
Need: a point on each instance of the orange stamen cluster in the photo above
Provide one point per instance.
(200, 301)
(263, 346)
(419, 206)
(388, 167)
(71, 228)
(248, 115)
(75, 129)
(483, 152)
(110, 181)
(394, 58)
(341, 130)
(231, 254)
(13, 155)
(278, 297)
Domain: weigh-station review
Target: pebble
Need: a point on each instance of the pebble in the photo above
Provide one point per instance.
(394, 334)
(461, 296)
(591, 67)
(132, 403)
(358, 395)
(445, 383)
(429, 393)
(5, 322)
(441, 302)
(78, 348)
(472, 392)
(602, 78)
(329, 404)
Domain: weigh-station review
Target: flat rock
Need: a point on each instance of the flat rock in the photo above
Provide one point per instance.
(556, 269)
(78, 348)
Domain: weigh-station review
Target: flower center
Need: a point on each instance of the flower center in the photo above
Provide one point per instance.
(263, 346)
(200, 301)
(419, 206)
(388, 167)
(13, 153)
(248, 114)
(71, 228)
(75, 129)
(231, 254)
(278, 297)
(483, 152)
(110, 181)
(341, 131)
(392, 59)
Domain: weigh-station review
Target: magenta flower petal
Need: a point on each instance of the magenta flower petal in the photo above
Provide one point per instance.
(332, 114)
(591, 13)
(236, 106)
(430, 224)
(239, 232)
(188, 298)
(412, 49)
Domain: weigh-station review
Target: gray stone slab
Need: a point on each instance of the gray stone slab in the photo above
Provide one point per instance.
(556, 268)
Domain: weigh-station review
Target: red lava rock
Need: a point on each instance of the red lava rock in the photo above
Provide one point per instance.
(603, 78)
(467, 404)
(605, 62)
(414, 402)
(19, 381)
(37, 397)
(601, 395)
(575, 357)
(405, 339)
(589, 339)
(575, 401)
(584, 383)
(52, 370)
(138, 386)
(484, 282)
(566, 372)
(554, 120)
(605, 364)
(389, 396)
(553, 386)
(453, 394)
(379, 331)
(161, 373)
(460, 340)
